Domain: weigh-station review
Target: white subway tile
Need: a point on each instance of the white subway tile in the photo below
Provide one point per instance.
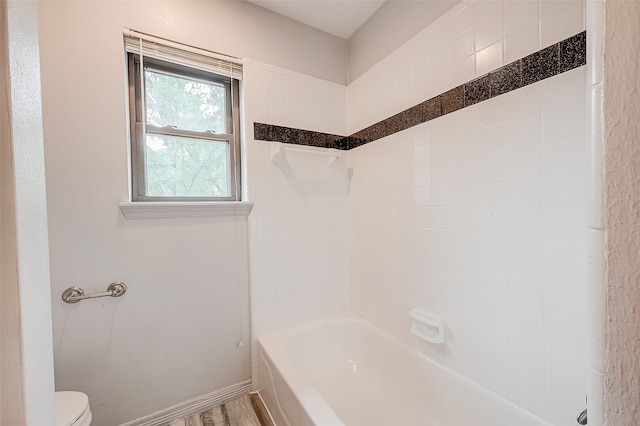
(491, 298)
(565, 252)
(527, 337)
(527, 366)
(441, 150)
(561, 411)
(569, 318)
(463, 20)
(524, 190)
(490, 219)
(566, 126)
(522, 42)
(261, 96)
(464, 144)
(566, 285)
(565, 349)
(489, 58)
(439, 72)
(492, 191)
(561, 24)
(565, 156)
(526, 278)
(442, 173)
(462, 47)
(525, 160)
(565, 220)
(261, 78)
(295, 102)
(526, 101)
(526, 307)
(462, 71)
(422, 175)
(525, 249)
(278, 81)
(441, 194)
(520, 14)
(490, 271)
(465, 169)
(565, 188)
(278, 99)
(492, 165)
(492, 138)
(464, 193)
(489, 350)
(525, 219)
(489, 323)
(422, 154)
(552, 7)
(565, 89)
(489, 31)
(294, 83)
(422, 196)
(493, 111)
(527, 395)
(525, 130)
(279, 117)
(486, 10)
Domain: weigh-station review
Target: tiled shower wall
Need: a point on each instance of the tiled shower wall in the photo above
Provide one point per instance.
(298, 230)
(479, 216)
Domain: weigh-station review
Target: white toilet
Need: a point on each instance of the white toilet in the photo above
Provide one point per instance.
(72, 409)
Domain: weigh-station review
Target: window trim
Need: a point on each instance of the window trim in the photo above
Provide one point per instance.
(137, 138)
(170, 210)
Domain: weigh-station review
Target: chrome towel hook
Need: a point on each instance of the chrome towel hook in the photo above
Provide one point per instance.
(76, 294)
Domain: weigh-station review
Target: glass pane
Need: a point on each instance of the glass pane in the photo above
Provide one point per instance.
(185, 167)
(184, 103)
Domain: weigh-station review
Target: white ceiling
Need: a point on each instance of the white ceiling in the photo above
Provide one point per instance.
(338, 17)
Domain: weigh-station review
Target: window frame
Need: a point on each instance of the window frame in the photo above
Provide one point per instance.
(136, 127)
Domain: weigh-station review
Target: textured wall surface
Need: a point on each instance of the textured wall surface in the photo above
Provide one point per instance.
(32, 257)
(622, 211)
(11, 398)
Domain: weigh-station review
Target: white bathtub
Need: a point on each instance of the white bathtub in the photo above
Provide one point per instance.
(344, 371)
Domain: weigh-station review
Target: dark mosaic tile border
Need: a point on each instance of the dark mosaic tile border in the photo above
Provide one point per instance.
(551, 61)
(269, 132)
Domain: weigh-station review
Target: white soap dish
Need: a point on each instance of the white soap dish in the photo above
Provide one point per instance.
(427, 326)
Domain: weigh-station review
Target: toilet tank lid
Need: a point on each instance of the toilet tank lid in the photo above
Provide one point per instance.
(69, 407)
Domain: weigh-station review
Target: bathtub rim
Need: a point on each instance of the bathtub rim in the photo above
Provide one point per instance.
(274, 347)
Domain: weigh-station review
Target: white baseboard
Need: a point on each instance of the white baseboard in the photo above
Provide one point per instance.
(193, 406)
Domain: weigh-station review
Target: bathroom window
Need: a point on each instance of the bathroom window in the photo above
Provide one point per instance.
(184, 123)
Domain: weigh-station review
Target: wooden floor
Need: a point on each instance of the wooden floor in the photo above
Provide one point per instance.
(239, 412)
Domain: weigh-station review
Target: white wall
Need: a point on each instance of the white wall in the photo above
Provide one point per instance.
(298, 235)
(173, 335)
(26, 358)
(480, 216)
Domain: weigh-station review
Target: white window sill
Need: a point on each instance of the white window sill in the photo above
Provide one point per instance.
(157, 210)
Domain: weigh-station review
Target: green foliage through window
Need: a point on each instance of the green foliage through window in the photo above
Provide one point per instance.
(186, 147)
